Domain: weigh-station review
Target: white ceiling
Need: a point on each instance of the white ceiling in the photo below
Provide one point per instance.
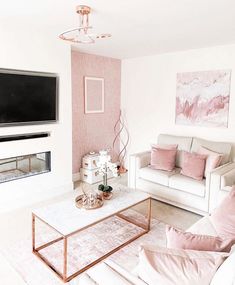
(138, 27)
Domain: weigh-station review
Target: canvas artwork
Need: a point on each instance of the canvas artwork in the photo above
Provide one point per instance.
(202, 98)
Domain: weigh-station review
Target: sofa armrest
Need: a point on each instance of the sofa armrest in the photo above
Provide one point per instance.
(223, 168)
(217, 178)
(228, 178)
(137, 161)
(216, 174)
(142, 159)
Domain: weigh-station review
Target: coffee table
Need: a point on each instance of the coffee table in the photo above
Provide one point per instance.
(67, 220)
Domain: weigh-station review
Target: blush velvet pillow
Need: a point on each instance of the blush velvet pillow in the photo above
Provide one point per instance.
(164, 266)
(163, 158)
(186, 240)
(213, 159)
(223, 217)
(193, 165)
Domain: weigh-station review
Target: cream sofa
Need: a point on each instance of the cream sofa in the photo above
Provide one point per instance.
(108, 272)
(177, 189)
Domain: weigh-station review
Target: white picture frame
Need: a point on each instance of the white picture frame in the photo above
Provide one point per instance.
(94, 94)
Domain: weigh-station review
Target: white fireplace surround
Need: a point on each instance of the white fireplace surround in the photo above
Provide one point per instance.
(41, 53)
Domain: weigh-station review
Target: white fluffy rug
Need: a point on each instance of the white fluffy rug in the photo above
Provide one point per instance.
(93, 242)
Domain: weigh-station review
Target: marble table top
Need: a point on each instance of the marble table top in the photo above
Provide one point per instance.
(66, 218)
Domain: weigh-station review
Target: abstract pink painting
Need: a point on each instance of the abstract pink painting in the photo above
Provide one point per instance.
(202, 98)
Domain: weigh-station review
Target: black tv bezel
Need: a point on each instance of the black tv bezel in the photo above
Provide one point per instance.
(34, 73)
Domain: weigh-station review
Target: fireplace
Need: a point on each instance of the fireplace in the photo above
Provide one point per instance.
(24, 166)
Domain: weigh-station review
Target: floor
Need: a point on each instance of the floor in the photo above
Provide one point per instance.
(17, 225)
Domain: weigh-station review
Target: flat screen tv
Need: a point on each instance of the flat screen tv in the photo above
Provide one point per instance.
(27, 97)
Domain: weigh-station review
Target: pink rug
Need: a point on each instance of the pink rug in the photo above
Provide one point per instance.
(93, 243)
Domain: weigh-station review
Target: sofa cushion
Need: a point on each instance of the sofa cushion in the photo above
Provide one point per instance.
(187, 184)
(220, 147)
(163, 159)
(193, 165)
(177, 238)
(158, 265)
(184, 143)
(157, 176)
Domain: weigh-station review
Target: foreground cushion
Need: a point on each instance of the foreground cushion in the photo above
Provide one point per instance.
(163, 159)
(193, 165)
(223, 217)
(186, 240)
(166, 266)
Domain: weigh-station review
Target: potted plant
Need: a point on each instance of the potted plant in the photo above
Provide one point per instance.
(105, 166)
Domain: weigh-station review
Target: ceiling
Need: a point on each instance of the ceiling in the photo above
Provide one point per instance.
(138, 27)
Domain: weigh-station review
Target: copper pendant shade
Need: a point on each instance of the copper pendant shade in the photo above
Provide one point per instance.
(82, 34)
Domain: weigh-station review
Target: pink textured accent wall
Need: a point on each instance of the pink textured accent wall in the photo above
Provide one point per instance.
(93, 132)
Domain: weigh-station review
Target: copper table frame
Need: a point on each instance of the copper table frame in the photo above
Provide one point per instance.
(63, 276)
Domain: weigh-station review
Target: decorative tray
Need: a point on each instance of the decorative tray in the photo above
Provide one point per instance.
(84, 202)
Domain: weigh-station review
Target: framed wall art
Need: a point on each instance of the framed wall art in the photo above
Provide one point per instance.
(94, 95)
(202, 98)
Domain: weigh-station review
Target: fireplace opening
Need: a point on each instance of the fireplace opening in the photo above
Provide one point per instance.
(24, 166)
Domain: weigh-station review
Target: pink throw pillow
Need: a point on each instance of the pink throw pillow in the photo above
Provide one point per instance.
(158, 265)
(163, 159)
(213, 159)
(186, 240)
(223, 217)
(193, 165)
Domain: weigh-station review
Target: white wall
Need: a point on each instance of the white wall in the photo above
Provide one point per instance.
(149, 92)
(38, 49)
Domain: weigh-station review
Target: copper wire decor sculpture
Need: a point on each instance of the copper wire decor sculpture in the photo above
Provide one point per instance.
(122, 136)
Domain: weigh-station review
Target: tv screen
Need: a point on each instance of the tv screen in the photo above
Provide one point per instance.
(27, 97)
